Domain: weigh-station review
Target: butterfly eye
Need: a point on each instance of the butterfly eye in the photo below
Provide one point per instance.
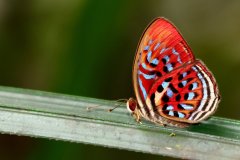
(131, 104)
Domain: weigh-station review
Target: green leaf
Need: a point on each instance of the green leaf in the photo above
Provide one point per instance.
(64, 117)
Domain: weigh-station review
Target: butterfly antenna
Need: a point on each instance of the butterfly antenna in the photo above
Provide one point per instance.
(117, 105)
(92, 107)
(109, 110)
(122, 100)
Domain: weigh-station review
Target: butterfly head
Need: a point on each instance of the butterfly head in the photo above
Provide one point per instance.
(131, 105)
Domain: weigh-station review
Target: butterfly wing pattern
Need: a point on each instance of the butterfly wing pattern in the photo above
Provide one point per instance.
(171, 86)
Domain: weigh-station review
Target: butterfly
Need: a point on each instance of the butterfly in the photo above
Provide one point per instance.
(171, 86)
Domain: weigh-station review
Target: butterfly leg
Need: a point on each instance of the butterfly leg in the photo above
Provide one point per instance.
(161, 123)
(172, 124)
(137, 116)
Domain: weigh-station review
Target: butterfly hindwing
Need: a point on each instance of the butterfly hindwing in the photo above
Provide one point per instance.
(188, 94)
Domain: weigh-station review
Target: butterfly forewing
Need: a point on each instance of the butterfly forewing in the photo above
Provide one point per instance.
(168, 81)
(161, 50)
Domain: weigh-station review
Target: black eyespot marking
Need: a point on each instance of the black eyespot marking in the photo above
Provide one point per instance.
(152, 98)
(175, 114)
(165, 106)
(178, 97)
(180, 106)
(190, 87)
(185, 96)
(164, 60)
(159, 74)
(180, 85)
(153, 65)
(165, 69)
(165, 98)
(168, 79)
(173, 88)
(160, 88)
(180, 77)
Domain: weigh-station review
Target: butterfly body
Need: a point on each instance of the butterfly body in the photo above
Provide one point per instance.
(171, 86)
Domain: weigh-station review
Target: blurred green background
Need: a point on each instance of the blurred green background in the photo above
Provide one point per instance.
(86, 48)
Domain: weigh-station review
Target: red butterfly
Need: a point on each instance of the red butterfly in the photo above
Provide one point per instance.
(171, 86)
